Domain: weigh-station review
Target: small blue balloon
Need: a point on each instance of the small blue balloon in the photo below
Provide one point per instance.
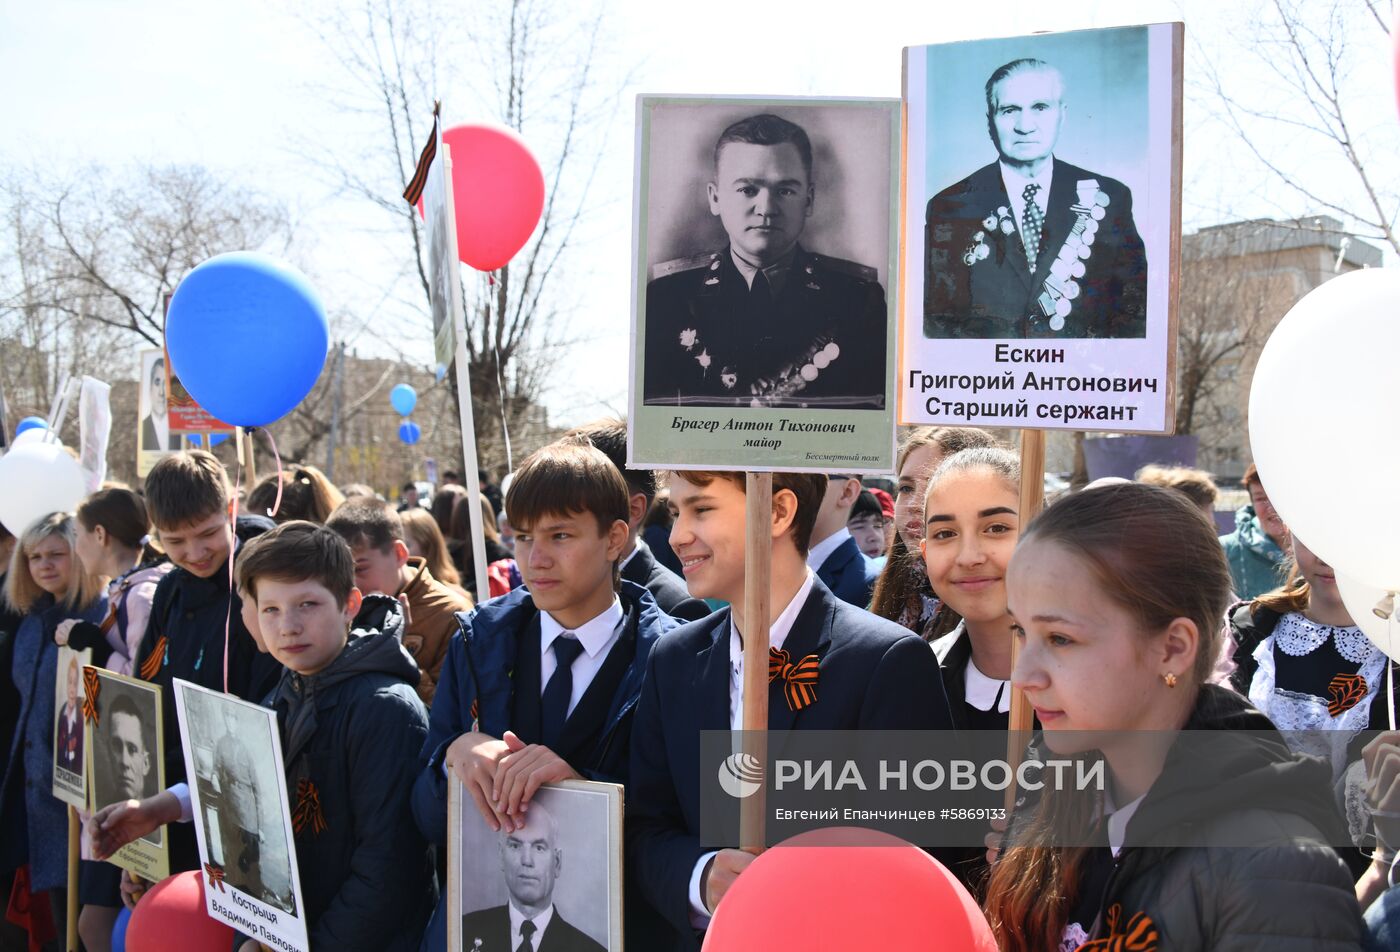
(119, 930)
(404, 398)
(195, 439)
(216, 438)
(409, 432)
(247, 336)
(30, 422)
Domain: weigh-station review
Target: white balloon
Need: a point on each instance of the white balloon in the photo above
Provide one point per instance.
(1324, 423)
(1361, 600)
(35, 480)
(35, 434)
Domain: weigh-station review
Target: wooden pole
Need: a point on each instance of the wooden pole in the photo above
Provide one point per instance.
(73, 833)
(758, 550)
(244, 439)
(1032, 501)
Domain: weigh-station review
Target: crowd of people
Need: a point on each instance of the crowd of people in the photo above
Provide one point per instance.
(611, 637)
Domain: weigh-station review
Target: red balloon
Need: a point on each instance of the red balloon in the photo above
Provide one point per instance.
(847, 888)
(171, 918)
(497, 194)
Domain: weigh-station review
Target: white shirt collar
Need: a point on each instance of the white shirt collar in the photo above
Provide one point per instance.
(517, 917)
(818, 553)
(982, 692)
(1118, 818)
(631, 555)
(593, 634)
(1016, 181)
(781, 627)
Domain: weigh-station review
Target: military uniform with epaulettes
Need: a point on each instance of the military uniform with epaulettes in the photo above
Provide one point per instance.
(810, 333)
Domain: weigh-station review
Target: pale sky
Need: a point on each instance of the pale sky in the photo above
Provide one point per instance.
(228, 84)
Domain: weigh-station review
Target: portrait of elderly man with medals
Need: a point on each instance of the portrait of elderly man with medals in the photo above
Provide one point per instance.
(1031, 246)
(764, 321)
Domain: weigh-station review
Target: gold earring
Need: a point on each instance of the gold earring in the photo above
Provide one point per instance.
(1169, 679)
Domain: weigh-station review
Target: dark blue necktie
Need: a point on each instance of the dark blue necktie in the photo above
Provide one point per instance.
(554, 703)
(527, 928)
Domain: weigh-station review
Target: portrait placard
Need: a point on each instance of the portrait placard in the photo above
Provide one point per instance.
(559, 879)
(126, 758)
(154, 438)
(765, 264)
(1042, 231)
(69, 749)
(238, 789)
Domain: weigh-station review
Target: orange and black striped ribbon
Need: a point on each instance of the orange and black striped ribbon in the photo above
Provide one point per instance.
(414, 191)
(91, 688)
(151, 666)
(799, 680)
(214, 875)
(308, 809)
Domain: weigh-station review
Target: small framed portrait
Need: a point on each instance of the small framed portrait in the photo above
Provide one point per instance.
(556, 883)
(1044, 206)
(765, 278)
(233, 758)
(69, 749)
(126, 758)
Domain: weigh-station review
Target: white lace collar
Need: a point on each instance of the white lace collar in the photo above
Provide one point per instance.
(1296, 635)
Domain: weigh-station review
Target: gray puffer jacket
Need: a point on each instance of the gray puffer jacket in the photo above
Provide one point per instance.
(1288, 891)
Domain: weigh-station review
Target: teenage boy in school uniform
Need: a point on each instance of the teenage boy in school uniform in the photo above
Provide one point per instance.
(872, 675)
(540, 684)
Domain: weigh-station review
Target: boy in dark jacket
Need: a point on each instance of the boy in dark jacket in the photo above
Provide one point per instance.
(351, 725)
(194, 612)
(540, 684)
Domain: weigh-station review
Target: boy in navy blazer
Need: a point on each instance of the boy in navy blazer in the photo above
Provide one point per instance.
(872, 675)
(834, 554)
(540, 684)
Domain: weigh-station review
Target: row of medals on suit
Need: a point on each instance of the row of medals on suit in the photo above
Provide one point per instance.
(1061, 286)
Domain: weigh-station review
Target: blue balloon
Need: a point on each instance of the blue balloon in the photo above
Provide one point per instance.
(247, 336)
(119, 930)
(214, 439)
(409, 432)
(30, 422)
(404, 398)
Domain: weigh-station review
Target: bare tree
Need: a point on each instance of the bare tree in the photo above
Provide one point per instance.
(1295, 99)
(533, 67)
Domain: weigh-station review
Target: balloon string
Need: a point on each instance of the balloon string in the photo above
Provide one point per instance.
(1390, 669)
(233, 545)
(277, 459)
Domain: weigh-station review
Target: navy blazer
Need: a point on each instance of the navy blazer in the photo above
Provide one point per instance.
(480, 672)
(874, 675)
(850, 574)
(665, 586)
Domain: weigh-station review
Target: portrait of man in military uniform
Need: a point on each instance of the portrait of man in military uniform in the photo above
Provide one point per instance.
(764, 320)
(1030, 246)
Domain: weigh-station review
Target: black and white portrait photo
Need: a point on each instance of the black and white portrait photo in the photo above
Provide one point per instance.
(767, 238)
(552, 886)
(1037, 232)
(69, 751)
(126, 750)
(238, 794)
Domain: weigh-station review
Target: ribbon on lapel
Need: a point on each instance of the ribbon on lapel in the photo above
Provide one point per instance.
(308, 807)
(799, 680)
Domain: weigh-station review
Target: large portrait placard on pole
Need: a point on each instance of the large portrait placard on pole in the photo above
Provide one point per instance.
(243, 822)
(764, 272)
(1042, 231)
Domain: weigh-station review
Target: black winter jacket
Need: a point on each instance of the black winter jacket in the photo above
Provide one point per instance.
(1289, 891)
